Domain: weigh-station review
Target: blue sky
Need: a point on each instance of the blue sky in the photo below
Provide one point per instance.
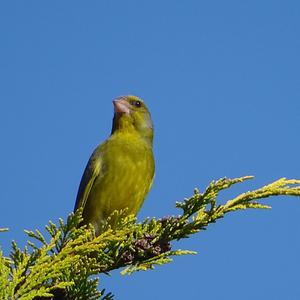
(222, 81)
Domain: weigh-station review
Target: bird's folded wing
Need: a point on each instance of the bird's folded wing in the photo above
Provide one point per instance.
(91, 172)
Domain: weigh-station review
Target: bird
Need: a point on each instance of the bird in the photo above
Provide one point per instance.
(120, 171)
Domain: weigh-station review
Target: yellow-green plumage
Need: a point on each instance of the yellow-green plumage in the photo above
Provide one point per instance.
(120, 171)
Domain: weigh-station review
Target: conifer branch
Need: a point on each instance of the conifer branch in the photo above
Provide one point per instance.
(60, 266)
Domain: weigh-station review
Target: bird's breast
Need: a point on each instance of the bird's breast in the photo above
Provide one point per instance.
(127, 174)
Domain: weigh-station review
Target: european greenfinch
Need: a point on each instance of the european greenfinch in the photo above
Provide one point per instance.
(120, 171)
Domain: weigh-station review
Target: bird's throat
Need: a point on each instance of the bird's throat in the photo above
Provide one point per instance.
(124, 123)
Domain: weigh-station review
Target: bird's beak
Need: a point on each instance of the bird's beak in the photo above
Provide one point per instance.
(121, 106)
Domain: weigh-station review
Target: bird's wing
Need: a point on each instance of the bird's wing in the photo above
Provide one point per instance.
(91, 172)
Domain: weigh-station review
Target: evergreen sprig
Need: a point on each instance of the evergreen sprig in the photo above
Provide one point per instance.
(63, 265)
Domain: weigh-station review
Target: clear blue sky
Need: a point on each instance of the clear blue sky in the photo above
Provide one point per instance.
(222, 80)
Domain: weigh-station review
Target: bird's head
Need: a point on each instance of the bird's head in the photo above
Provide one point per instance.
(131, 113)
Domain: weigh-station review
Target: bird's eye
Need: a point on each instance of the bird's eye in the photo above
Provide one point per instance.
(137, 103)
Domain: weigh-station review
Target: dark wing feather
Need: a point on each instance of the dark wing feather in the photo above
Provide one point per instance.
(91, 172)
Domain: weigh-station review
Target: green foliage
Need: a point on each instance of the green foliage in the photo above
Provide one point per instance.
(65, 265)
